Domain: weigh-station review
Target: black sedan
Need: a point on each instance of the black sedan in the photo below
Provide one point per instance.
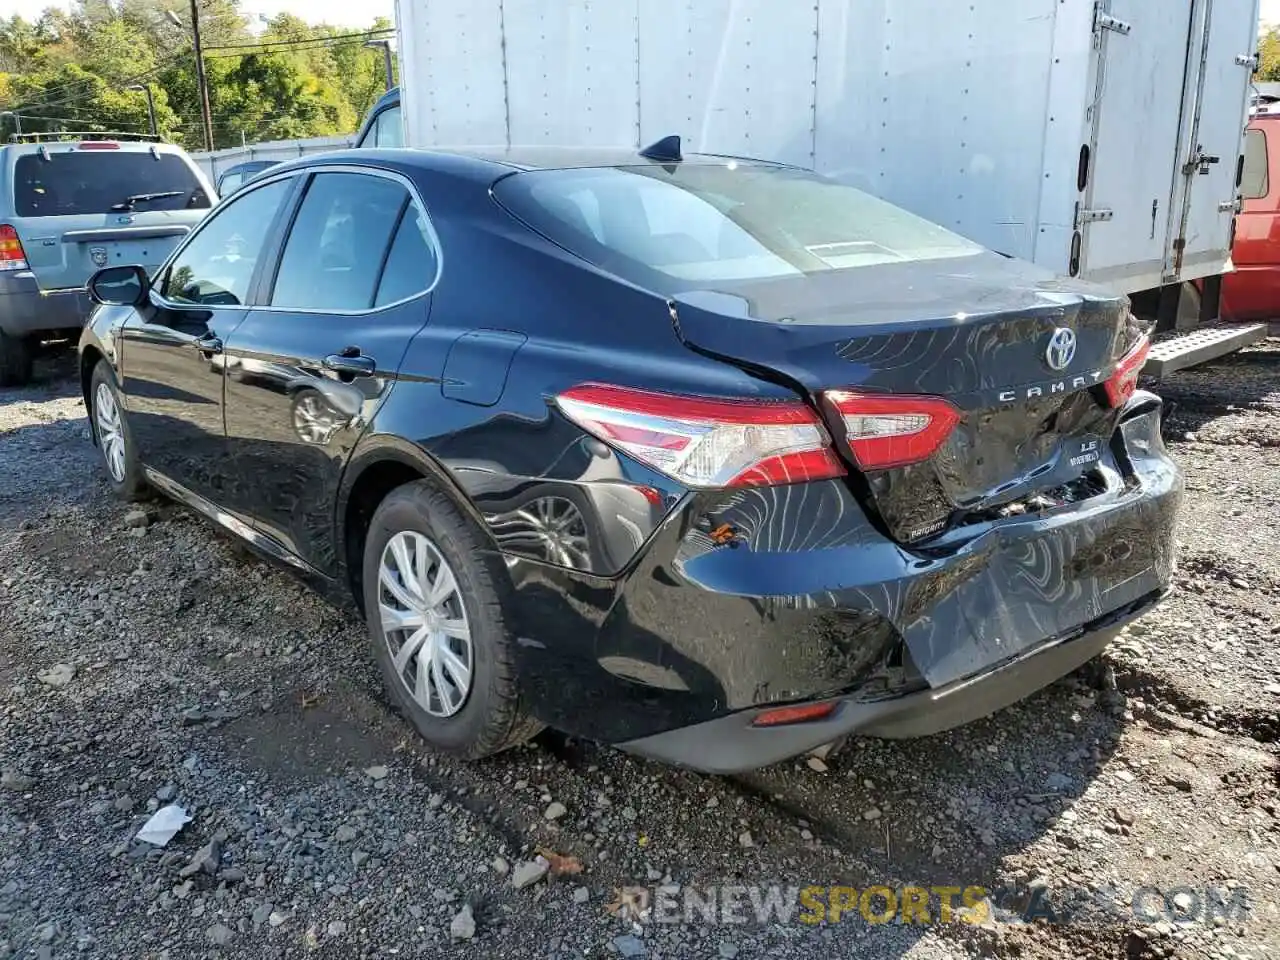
(712, 459)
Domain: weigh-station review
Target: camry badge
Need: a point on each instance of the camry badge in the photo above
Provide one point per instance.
(1062, 348)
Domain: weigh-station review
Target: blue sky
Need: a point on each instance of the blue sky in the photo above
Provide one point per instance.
(337, 12)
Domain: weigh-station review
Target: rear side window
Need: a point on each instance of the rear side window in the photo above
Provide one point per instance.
(76, 181)
(1255, 182)
(333, 258)
(681, 225)
(411, 264)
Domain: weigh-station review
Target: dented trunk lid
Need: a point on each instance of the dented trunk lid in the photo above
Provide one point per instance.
(1033, 417)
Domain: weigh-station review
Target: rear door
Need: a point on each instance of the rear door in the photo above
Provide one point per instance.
(1129, 168)
(1208, 166)
(83, 206)
(314, 360)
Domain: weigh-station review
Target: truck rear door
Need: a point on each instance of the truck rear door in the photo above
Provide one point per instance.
(1128, 170)
(1159, 193)
(1225, 39)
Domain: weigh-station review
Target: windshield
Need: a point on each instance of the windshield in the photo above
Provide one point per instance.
(73, 182)
(697, 223)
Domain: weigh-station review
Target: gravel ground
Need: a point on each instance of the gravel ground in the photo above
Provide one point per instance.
(148, 665)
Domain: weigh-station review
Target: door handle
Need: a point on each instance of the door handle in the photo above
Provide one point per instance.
(353, 363)
(209, 344)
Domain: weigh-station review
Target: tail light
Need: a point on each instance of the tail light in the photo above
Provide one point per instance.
(99, 145)
(707, 443)
(1121, 384)
(892, 431)
(12, 256)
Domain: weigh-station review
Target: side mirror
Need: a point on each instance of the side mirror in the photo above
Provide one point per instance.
(120, 286)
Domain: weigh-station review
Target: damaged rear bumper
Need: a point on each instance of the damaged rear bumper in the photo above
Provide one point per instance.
(751, 599)
(732, 744)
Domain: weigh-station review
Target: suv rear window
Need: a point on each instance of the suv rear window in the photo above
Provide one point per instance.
(696, 223)
(74, 182)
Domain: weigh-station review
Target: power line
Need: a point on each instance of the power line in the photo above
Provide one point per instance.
(297, 47)
(363, 35)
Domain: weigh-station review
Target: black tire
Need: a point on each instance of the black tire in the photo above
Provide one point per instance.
(491, 718)
(15, 361)
(132, 486)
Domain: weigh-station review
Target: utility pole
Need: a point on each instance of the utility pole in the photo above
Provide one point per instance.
(387, 62)
(151, 105)
(201, 81)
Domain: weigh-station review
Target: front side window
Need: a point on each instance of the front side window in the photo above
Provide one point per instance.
(216, 267)
(686, 224)
(229, 183)
(1254, 183)
(86, 181)
(333, 258)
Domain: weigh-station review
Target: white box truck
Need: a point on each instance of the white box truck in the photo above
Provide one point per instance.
(1097, 139)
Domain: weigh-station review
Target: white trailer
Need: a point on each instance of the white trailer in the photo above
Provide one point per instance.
(1100, 140)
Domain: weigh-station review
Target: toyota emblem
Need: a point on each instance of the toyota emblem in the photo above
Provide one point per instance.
(1062, 348)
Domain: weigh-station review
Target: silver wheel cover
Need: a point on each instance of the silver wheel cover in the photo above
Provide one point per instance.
(424, 624)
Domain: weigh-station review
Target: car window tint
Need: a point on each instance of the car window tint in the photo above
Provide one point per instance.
(75, 181)
(390, 129)
(411, 265)
(1254, 184)
(217, 266)
(228, 183)
(334, 253)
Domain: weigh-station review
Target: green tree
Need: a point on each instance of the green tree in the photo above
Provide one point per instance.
(76, 68)
(1269, 55)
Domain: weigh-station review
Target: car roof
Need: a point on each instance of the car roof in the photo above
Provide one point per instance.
(493, 163)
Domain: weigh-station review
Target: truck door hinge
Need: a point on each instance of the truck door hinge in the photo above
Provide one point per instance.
(1247, 60)
(1105, 21)
(1230, 206)
(1098, 215)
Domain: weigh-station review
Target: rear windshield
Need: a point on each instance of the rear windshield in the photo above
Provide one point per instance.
(683, 225)
(74, 182)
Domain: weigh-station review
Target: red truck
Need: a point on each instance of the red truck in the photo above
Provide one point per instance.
(1252, 292)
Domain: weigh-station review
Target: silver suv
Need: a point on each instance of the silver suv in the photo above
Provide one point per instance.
(70, 204)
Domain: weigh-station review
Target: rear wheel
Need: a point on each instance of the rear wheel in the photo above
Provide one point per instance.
(115, 442)
(15, 360)
(434, 607)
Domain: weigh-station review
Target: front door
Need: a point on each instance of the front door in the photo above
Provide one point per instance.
(173, 352)
(312, 363)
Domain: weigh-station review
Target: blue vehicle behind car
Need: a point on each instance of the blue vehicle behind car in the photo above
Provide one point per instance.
(233, 178)
(383, 127)
(71, 204)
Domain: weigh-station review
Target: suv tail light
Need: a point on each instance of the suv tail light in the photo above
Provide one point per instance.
(1121, 384)
(892, 431)
(707, 443)
(12, 256)
(99, 145)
